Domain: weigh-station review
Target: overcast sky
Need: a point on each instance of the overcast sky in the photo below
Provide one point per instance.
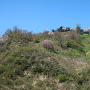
(40, 15)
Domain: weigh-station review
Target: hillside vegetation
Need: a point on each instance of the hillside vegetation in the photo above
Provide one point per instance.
(42, 61)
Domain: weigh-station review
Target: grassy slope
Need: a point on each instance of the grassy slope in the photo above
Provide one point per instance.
(32, 67)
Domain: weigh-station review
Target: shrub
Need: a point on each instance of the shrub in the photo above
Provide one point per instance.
(19, 81)
(62, 78)
(48, 44)
(73, 44)
(73, 35)
(60, 37)
(39, 83)
(45, 34)
(36, 38)
(2, 69)
(88, 40)
(9, 74)
(79, 81)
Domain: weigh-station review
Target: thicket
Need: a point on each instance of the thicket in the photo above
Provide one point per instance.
(42, 54)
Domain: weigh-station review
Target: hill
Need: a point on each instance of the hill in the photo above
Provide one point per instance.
(42, 61)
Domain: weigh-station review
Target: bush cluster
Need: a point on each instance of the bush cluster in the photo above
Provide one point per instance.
(23, 52)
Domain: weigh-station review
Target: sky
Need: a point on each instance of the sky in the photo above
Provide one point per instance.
(40, 15)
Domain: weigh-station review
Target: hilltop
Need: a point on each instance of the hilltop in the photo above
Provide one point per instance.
(58, 60)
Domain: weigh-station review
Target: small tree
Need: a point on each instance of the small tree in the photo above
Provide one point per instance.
(60, 29)
(78, 29)
(67, 29)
